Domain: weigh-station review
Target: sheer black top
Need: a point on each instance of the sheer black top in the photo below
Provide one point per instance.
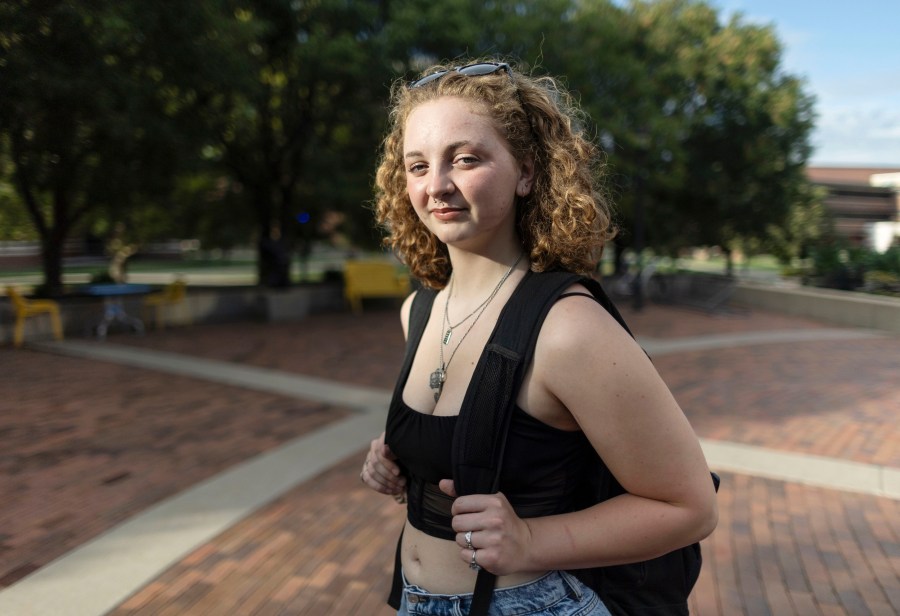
(541, 471)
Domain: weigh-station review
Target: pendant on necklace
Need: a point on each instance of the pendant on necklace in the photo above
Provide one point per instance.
(447, 335)
(436, 382)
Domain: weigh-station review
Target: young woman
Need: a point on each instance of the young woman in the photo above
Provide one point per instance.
(485, 175)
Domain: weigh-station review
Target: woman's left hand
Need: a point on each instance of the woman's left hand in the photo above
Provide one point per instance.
(500, 538)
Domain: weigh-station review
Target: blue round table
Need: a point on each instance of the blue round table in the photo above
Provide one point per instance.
(113, 310)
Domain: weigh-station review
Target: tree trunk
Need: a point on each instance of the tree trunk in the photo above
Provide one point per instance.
(729, 262)
(618, 259)
(274, 264)
(51, 260)
(273, 261)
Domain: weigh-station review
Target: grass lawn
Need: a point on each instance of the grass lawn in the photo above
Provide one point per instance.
(197, 271)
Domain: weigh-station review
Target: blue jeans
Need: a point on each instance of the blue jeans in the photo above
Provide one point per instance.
(555, 594)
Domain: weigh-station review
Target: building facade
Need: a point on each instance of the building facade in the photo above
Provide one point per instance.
(865, 202)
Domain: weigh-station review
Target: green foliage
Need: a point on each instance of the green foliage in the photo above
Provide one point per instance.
(807, 221)
(300, 136)
(226, 119)
(745, 125)
(100, 102)
(839, 265)
(212, 208)
(887, 261)
(15, 224)
(882, 283)
(700, 123)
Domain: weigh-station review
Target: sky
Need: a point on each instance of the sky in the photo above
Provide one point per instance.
(849, 55)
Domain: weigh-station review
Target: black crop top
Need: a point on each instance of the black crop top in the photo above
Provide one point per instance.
(541, 470)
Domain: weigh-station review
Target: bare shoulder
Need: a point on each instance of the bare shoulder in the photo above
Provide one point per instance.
(594, 369)
(584, 353)
(580, 322)
(405, 311)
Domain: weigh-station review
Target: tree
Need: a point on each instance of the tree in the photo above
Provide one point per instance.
(747, 140)
(700, 123)
(806, 223)
(14, 221)
(302, 139)
(273, 110)
(706, 135)
(299, 137)
(99, 103)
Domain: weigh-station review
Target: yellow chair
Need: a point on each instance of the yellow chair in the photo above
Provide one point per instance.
(26, 308)
(373, 279)
(171, 295)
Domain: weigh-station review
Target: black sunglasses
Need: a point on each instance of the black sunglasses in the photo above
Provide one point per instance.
(472, 70)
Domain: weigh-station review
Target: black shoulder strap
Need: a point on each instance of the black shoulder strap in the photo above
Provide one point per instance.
(481, 428)
(419, 313)
(418, 319)
(602, 298)
(479, 440)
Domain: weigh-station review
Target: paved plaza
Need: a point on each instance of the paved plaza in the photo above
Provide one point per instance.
(213, 469)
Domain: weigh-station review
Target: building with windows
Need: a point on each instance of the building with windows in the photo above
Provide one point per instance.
(865, 202)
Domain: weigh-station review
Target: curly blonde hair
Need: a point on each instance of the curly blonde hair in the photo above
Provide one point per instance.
(563, 223)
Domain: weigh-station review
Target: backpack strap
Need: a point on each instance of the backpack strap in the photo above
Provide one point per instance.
(658, 586)
(602, 298)
(418, 319)
(483, 425)
(479, 440)
(419, 313)
(480, 435)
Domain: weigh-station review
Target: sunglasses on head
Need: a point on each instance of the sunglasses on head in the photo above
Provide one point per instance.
(472, 70)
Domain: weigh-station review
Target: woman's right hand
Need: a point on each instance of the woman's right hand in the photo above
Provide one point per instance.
(380, 470)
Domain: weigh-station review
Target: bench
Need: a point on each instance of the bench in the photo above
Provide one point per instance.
(373, 279)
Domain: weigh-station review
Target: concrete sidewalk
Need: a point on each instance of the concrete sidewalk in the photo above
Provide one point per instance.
(771, 396)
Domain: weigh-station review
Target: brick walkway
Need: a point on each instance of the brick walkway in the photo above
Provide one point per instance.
(87, 444)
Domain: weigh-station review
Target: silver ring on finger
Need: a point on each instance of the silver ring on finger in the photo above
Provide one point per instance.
(473, 564)
(469, 540)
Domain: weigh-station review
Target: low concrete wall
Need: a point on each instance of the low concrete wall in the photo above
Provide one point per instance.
(295, 303)
(840, 307)
(226, 304)
(80, 315)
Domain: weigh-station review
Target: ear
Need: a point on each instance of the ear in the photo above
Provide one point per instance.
(526, 177)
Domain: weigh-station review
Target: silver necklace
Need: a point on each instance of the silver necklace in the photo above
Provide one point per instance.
(450, 327)
(436, 379)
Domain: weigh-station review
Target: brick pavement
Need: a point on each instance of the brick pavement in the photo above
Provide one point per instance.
(831, 398)
(838, 399)
(85, 445)
(326, 547)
